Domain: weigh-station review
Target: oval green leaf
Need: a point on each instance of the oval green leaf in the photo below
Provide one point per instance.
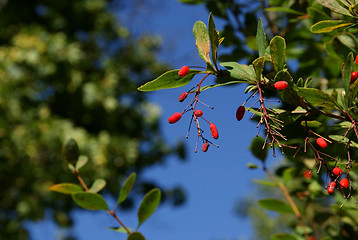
(98, 185)
(91, 201)
(334, 6)
(135, 236)
(82, 160)
(326, 26)
(126, 188)
(168, 80)
(347, 69)
(71, 151)
(148, 205)
(275, 205)
(245, 73)
(261, 39)
(318, 98)
(202, 39)
(278, 52)
(257, 148)
(313, 124)
(283, 236)
(66, 188)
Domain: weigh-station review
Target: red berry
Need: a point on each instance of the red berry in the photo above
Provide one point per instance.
(331, 186)
(321, 142)
(337, 171)
(205, 147)
(357, 59)
(183, 71)
(214, 131)
(198, 113)
(174, 118)
(307, 174)
(240, 112)
(354, 76)
(183, 96)
(280, 85)
(344, 182)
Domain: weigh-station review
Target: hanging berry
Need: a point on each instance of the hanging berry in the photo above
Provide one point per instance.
(198, 113)
(331, 186)
(214, 131)
(183, 71)
(344, 182)
(240, 112)
(183, 96)
(205, 147)
(280, 85)
(321, 142)
(337, 171)
(174, 118)
(354, 76)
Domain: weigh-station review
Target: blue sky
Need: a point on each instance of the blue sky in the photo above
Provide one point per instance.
(213, 181)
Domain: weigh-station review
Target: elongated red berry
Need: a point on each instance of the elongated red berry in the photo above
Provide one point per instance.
(357, 59)
(198, 113)
(344, 182)
(205, 147)
(240, 112)
(183, 96)
(331, 186)
(337, 171)
(354, 76)
(183, 71)
(321, 142)
(174, 118)
(214, 131)
(280, 85)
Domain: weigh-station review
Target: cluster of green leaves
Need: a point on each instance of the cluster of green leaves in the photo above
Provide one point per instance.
(89, 198)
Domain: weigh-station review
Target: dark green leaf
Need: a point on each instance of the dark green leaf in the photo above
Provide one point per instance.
(257, 149)
(169, 79)
(240, 72)
(275, 205)
(66, 188)
(148, 205)
(126, 188)
(278, 52)
(283, 236)
(326, 26)
(252, 165)
(135, 236)
(91, 201)
(318, 98)
(288, 95)
(98, 185)
(191, 1)
(259, 67)
(261, 39)
(347, 69)
(334, 6)
(283, 9)
(214, 39)
(71, 151)
(202, 39)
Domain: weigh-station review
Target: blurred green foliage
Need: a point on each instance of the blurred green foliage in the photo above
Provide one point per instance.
(69, 69)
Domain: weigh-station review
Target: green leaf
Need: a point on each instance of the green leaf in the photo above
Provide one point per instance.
(265, 183)
(98, 185)
(347, 69)
(275, 205)
(283, 9)
(148, 205)
(257, 149)
(288, 95)
(135, 236)
(91, 201)
(120, 229)
(345, 140)
(71, 151)
(202, 39)
(318, 98)
(66, 188)
(313, 124)
(334, 6)
(214, 39)
(278, 52)
(252, 165)
(126, 188)
(240, 71)
(326, 26)
(259, 67)
(261, 39)
(169, 79)
(82, 160)
(283, 236)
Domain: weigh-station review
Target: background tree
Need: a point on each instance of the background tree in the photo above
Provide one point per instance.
(69, 69)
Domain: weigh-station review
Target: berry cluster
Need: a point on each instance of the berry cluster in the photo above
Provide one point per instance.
(196, 113)
(337, 172)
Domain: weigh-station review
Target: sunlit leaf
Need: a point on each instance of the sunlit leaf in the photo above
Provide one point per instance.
(318, 98)
(202, 39)
(82, 161)
(148, 205)
(169, 79)
(275, 205)
(326, 26)
(91, 201)
(265, 183)
(126, 188)
(334, 6)
(312, 124)
(283, 9)
(120, 229)
(278, 52)
(98, 185)
(261, 39)
(66, 188)
(345, 140)
(240, 71)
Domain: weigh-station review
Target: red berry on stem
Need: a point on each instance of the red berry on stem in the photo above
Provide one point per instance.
(174, 118)
(240, 112)
(214, 131)
(357, 59)
(344, 182)
(183, 96)
(354, 76)
(183, 71)
(198, 113)
(321, 142)
(337, 171)
(331, 186)
(307, 174)
(280, 85)
(205, 147)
